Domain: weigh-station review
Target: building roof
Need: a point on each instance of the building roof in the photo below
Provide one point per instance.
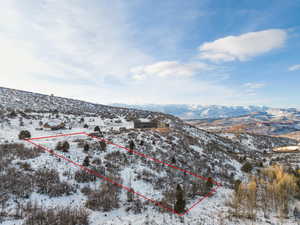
(144, 120)
(54, 122)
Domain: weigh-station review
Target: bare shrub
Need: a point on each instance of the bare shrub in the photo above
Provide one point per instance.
(247, 167)
(62, 146)
(4, 197)
(136, 206)
(97, 161)
(82, 176)
(107, 198)
(25, 166)
(4, 163)
(48, 182)
(195, 188)
(58, 216)
(80, 142)
(18, 151)
(60, 189)
(146, 176)
(45, 178)
(117, 157)
(16, 182)
(86, 190)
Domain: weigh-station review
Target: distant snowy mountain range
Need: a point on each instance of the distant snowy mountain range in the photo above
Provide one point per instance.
(186, 111)
(16, 99)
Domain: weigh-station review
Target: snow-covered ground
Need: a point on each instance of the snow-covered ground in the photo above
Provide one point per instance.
(211, 211)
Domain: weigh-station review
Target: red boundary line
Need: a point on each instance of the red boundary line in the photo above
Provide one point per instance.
(30, 140)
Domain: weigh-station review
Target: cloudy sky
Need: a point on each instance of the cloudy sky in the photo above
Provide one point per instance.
(196, 52)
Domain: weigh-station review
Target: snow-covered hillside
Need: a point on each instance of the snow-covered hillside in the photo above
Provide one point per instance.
(31, 179)
(28, 101)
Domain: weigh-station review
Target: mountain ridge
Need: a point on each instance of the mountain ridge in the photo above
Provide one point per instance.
(197, 111)
(14, 99)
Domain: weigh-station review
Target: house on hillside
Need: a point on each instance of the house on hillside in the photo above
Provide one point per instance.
(54, 124)
(146, 123)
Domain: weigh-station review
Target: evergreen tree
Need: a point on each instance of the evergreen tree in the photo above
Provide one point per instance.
(103, 146)
(131, 146)
(130, 192)
(208, 185)
(24, 134)
(173, 160)
(86, 147)
(97, 129)
(65, 146)
(59, 146)
(130, 195)
(180, 201)
(13, 114)
(86, 161)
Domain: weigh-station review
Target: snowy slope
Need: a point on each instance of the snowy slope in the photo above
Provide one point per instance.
(184, 146)
(22, 100)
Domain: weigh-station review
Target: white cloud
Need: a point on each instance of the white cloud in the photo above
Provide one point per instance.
(294, 67)
(250, 89)
(168, 69)
(80, 50)
(254, 85)
(64, 40)
(243, 47)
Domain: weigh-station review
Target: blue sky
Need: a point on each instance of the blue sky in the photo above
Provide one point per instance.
(164, 52)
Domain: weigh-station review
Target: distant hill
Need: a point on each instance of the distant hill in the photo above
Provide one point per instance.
(12, 99)
(187, 111)
(272, 122)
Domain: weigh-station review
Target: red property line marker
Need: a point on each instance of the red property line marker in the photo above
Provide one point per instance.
(154, 159)
(120, 185)
(59, 135)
